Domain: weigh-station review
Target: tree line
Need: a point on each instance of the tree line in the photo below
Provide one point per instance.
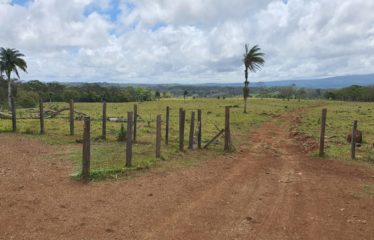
(352, 93)
(28, 93)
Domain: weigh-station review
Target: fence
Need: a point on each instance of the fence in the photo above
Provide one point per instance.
(194, 132)
(353, 136)
(131, 133)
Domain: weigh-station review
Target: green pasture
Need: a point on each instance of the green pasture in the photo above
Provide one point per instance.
(108, 156)
(340, 116)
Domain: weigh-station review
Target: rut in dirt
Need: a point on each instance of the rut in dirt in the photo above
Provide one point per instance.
(270, 190)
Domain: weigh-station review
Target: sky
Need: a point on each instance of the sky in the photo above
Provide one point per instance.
(188, 41)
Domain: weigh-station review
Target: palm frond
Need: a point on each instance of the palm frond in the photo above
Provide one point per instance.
(253, 59)
(16, 71)
(11, 60)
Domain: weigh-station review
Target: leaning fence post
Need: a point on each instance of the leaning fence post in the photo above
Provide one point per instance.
(214, 138)
(167, 125)
(192, 127)
(135, 120)
(227, 130)
(199, 130)
(158, 136)
(353, 140)
(41, 116)
(104, 120)
(71, 108)
(322, 135)
(129, 136)
(181, 128)
(86, 149)
(14, 117)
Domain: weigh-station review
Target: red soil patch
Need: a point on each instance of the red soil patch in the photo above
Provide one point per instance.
(270, 191)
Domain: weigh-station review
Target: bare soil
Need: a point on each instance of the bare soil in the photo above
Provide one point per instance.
(269, 190)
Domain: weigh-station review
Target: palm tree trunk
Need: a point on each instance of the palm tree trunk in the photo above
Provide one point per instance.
(245, 104)
(9, 92)
(245, 90)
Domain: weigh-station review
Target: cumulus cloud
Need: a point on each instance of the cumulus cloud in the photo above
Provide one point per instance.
(188, 41)
(208, 12)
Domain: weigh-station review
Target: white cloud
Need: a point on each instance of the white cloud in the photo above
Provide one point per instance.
(189, 41)
(208, 12)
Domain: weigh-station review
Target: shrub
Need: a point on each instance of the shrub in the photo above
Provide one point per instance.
(122, 134)
(27, 99)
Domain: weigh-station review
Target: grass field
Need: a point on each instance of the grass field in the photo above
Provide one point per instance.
(108, 156)
(340, 116)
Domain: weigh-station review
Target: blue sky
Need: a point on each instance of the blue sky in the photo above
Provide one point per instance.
(188, 41)
(113, 11)
(20, 2)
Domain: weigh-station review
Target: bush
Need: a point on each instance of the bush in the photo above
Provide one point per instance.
(122, 134)
(27, 99)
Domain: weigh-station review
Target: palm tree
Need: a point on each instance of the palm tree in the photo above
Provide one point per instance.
(253, 61)
(11, 61)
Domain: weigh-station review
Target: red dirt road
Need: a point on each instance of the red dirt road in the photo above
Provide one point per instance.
(270, 190)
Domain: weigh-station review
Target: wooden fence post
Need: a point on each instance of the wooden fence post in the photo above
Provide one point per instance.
(135, 120)
(86, 161)
(353, 140)
(71, 108)
(192, 128)
(14, 116)
(104, 120)
(322, 135)
(227, 130)
(41, 116)
(129, 136)
(158, 137)
(167, 125)
(181, 128)
(199, 130)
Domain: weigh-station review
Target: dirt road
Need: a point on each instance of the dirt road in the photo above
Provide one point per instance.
(269, 190)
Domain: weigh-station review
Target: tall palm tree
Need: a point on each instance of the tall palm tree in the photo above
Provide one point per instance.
(253, 61)
(11, 60)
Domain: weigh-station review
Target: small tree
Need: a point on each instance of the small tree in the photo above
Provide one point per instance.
(157, 95)
(301, 93)
(50, 94)
(287, 92)
(185, 93)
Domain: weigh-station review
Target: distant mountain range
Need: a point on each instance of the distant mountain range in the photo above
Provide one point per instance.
(324, 83)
